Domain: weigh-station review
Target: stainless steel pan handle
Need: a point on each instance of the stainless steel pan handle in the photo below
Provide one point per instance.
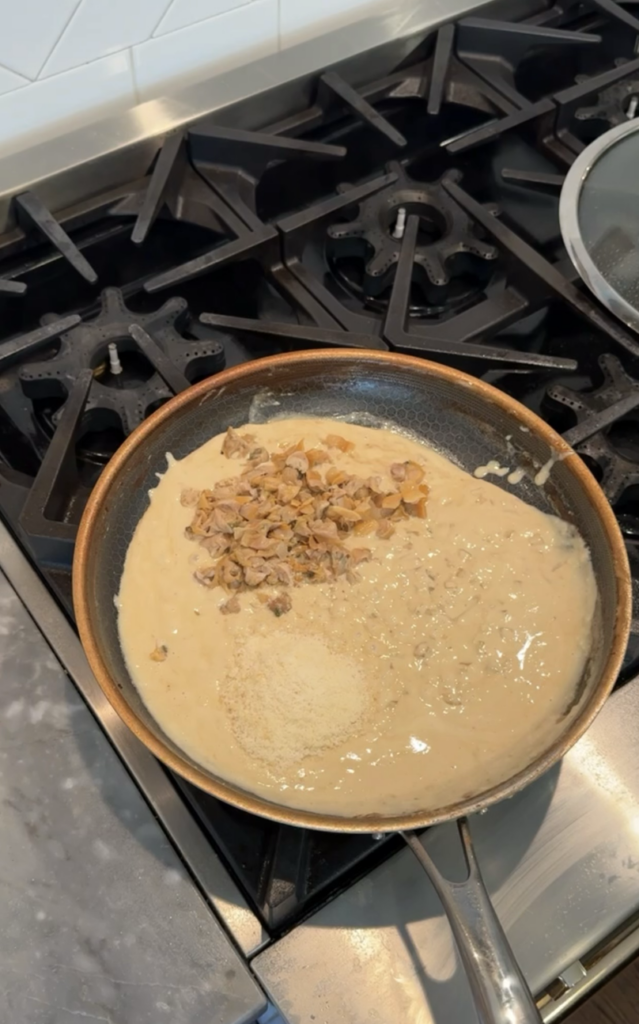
(498, 987)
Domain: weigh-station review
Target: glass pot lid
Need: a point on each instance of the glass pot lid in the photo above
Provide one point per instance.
(599, 218)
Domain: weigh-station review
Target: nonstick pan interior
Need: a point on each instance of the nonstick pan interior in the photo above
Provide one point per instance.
(459, 416)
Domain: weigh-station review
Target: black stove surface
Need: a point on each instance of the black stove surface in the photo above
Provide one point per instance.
(417, 214)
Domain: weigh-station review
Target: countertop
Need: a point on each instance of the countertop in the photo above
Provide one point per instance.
(100, 921)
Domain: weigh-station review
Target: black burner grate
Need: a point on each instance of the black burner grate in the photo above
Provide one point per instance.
(139, 384)
(286, 872)
(596, 411)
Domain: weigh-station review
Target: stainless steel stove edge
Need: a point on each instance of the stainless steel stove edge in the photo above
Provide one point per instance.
(579, 981)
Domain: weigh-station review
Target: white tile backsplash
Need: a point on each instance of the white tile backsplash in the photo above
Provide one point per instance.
(101, 27)
(76, 97)
(10, 81)
(177, 59)
(66, 62)
(303, 19)
(30, 30)
(188, 12)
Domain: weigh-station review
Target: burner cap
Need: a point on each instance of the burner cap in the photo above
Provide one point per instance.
(599, 216)
(451, 266)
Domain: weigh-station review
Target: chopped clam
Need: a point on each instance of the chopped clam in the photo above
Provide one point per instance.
(391, 501)
(419, 508)
(230, 573)
(385, 529)
(253, 577)
(316, 456)
(258, 456)
(283, 521)
(298, 461)
(335, 477)
(335, 441)
(280, 604)
(411, 493)
(237, 444)
(250, 511)
(414, 472)
(314, 480)
(324, 530)
(223, 521)
(206, 576)
(217, 544)
(284, 573)
(374, 484)
(365, 527)
(286, 492)
(343, 515)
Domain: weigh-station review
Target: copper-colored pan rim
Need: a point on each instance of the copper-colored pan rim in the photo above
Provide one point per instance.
(291, 816)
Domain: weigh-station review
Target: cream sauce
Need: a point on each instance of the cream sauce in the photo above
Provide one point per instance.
(441, 673)
(491, 468)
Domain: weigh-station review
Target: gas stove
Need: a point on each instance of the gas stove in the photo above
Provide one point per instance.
(405, 200)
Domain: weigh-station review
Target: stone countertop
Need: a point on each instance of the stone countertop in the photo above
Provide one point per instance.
(99, 920)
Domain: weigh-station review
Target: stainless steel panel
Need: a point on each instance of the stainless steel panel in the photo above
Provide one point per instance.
(561, 861)
(609, 964)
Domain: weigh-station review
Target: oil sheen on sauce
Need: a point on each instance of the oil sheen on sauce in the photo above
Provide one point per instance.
(441, 673)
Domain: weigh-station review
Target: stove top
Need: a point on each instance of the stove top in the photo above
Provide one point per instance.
(417, 212)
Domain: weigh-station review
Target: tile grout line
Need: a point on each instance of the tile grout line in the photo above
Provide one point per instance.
(207, 17)
(166, 10)
(25, 80)
(58, 40)
(136, 91)
(128, 50)
(91, 61)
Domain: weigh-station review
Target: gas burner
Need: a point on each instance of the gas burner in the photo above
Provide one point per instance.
(452, 264)
(616, 455)
(615, 104)
(126, 385)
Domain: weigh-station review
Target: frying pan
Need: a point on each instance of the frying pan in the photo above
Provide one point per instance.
(466, 420)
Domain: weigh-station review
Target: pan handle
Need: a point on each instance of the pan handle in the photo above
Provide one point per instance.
(499, 989)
